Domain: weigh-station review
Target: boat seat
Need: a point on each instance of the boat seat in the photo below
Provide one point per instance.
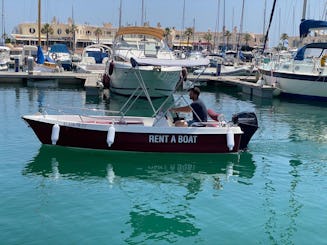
(105, 60)
(88, 60)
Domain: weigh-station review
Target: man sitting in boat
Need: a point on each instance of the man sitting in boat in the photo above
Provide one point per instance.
(197, 107)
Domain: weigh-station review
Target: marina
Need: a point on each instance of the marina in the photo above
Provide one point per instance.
(283, 175)
(117, 129)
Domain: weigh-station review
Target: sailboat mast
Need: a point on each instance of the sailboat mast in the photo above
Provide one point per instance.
(39, 22)
(120, 11)
(304, 9)
(142, 17)
(3, 23)
(264, 18)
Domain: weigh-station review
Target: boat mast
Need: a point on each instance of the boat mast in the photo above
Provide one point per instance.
(183, 19)
(120, 11)
(304, 9)
(264, 18)
(241, 26)
(142, 16)
(39, 22)
(268, 28)
(216, 28)
(3, 23)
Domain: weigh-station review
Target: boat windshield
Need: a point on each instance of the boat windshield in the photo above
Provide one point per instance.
(314, 53)
(141, 43)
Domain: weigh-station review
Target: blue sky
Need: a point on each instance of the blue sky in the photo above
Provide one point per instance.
(169, 13)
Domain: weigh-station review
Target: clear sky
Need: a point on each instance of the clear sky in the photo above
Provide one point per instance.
(169, 13)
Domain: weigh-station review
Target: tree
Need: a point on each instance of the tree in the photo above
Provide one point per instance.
(227, 34)
(47, 29)
(72, 30)
(208, 37)
(188, 33)
(167, 34)
(247, 38)
(98, 33)
(283, 37)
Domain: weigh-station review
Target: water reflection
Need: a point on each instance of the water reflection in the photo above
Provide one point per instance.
(161, 187)
(81, 164)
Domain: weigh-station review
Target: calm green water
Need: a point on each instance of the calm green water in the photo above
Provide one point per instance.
(274, 194)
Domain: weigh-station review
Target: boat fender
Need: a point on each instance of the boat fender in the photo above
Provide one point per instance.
(111, 67)
(106, 80)
(213, 115)
(323, 60)
(111, 135)
(184, 74)
(230, 139)
(54, 56)
(55, 133)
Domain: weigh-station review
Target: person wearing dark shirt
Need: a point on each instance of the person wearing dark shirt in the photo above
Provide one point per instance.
(197, 107)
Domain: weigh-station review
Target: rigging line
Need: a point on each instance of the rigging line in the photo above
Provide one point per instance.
(270, 20)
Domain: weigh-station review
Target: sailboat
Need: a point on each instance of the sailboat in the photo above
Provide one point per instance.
(43, 64)
(305, 75)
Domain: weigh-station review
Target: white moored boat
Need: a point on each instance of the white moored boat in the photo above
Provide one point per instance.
(305, 75)
(159, 79)
(94, 59)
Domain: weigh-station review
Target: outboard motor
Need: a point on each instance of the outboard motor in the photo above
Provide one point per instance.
(248, 122)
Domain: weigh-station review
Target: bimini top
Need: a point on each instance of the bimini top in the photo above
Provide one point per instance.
(141, 30)
(307, 25)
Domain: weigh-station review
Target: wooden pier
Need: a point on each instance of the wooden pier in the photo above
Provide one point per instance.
(248, 84)
(63, 78)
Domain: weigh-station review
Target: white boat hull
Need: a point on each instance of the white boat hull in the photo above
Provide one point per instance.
(295, 84)
(159, 82)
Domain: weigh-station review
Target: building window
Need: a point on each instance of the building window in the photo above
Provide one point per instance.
(88, 32)
(67, 31)
(59, 31)
(32, 30)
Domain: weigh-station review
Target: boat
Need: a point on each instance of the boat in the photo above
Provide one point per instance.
(39, 63)
(222, 70)
(161, 132)
(4, 58)
(94, 59)
(142, 134)
(16, 56)
(61, 55)
(142, 42)
(303, 76)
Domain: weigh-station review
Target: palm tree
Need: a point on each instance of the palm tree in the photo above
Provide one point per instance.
(208, 37)
(167, 35)
(98, 33)
(247, 37)
(188, 33)
(72, 30)
(47, 29)
(283, 37)
(227, 34)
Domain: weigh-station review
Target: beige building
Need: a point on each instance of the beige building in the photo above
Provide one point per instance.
(27, 33)
(85, 34)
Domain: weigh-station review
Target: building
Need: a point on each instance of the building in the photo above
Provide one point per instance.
(85, 34)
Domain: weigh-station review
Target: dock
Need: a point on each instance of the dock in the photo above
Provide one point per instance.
(63, 78)
(247, 84)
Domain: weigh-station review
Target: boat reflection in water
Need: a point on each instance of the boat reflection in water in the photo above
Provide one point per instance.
(76, 164)
(161, 188)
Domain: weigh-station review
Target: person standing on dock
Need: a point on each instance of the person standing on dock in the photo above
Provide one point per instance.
(197, 107)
